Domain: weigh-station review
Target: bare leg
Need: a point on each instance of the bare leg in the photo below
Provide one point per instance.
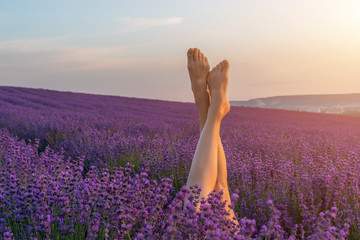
(197, 71)
(221, 181)
(204, 168)
(222, 71)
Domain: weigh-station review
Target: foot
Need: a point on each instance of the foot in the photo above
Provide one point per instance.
(218, 80)
(198, 66)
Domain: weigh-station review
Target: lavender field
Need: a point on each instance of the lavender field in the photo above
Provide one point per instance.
(80, 166)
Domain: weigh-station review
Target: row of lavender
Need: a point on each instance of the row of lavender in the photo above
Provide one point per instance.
(306, 164)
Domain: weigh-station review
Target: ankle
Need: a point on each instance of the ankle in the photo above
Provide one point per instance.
(220, 107)
(215, 113)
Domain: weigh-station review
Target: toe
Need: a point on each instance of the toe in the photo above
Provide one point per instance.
(218, 67)
(190, 51)
(225, 65)
(196, 54)
(190, 54)
(206, 60)
(202, 57)
(222, 67)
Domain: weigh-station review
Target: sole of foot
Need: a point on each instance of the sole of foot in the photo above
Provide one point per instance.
(218, 80)
(198, 67)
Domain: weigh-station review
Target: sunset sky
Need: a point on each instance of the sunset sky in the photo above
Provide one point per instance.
(138, 48)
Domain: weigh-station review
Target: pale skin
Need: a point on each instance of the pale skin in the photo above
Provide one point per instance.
(208, 168)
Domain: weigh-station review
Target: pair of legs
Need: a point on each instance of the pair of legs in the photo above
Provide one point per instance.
(208, 167)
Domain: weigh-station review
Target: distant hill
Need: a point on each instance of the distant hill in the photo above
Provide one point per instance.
(329, 103)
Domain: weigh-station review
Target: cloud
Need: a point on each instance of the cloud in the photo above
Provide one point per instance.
(143, 23)
(55, 55)
(31, 45)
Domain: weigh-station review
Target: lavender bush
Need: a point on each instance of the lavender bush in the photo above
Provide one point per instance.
(98, 167)
(44, 196)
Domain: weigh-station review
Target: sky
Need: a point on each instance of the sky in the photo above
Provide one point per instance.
(138, 48)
